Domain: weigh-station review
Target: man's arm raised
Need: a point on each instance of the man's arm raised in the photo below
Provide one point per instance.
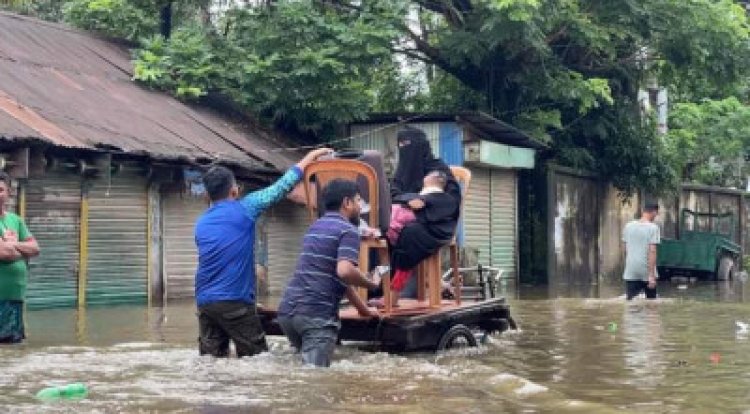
(258, 201)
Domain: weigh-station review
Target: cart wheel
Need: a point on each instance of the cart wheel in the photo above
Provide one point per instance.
(726, 268)
(458, 336)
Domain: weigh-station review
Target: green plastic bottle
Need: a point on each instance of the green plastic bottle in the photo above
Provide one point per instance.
(75, 391)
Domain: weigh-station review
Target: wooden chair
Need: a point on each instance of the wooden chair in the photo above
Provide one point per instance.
(325, 171)
(429, 271)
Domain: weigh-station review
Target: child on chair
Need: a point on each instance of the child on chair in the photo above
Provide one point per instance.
(424, 209)
(402, 213)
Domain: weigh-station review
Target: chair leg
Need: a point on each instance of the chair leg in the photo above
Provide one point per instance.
(456, 276)
(387, 298)
(435, 285)
(364, 265)
(421, 271)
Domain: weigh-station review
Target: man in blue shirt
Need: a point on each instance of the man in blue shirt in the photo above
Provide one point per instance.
(225, 278)
(326, 271)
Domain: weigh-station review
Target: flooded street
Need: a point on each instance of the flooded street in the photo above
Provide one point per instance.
(679, 354)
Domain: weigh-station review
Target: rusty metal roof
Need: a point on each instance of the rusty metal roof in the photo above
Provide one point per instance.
(490, 127)
(72, 89)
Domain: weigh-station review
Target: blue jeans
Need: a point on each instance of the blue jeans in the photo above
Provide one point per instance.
(314, 337)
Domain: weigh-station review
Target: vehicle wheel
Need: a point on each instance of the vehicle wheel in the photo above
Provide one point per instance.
(727, 268)
(458, 336)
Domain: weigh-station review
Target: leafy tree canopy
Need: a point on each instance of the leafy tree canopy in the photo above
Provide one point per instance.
(567, 71)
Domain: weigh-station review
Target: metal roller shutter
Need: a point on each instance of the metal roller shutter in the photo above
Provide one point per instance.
(286, 225)
(53, 205)
(503, 218)
(118, 239)
(179, 214)
(476, 219)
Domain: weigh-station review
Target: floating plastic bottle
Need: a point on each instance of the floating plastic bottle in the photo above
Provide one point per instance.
(75, 391)
(612, 327)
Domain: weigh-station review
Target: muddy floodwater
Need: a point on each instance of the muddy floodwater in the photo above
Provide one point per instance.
(688, 352)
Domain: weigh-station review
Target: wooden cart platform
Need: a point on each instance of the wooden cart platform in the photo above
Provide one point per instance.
(415, 325)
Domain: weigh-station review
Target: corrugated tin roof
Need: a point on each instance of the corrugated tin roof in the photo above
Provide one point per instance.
(72, 89)
(493, 128)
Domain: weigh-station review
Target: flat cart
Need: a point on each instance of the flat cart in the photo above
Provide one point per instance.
(415, 325)
(429, 322)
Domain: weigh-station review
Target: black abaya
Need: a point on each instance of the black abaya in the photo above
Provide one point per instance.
(437, 221)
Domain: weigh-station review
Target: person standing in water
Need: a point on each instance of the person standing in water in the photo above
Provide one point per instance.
(640, 238)
(327, 270)
(17, 245)
(225, 278)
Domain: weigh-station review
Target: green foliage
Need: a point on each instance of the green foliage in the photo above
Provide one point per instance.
(708, 141)
(295, 63)
(43, 9)
(117, 18)
(568, 71)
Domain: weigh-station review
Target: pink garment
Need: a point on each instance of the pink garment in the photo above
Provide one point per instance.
(400, 217)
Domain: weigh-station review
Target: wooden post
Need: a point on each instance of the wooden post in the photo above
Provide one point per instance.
(154, 246)
(21, 204)
(84, 250)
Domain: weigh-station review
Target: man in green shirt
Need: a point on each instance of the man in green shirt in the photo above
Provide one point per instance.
(16, 246)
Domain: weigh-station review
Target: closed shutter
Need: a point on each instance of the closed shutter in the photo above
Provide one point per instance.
(503, 217)
(53, 204)
(477, 214)
(180, 258)
(118, 240)
(286, 225)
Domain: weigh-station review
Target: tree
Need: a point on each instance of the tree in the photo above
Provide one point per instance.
(569, 70)
(302, 65)
(709, 141)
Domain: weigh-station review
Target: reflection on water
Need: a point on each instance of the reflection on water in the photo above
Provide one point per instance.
(590, 353)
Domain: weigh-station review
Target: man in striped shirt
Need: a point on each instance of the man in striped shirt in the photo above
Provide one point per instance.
(326, 271)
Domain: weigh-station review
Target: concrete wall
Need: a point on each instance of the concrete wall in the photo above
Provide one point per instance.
(616, 211)
(585, 218)
(574, 227)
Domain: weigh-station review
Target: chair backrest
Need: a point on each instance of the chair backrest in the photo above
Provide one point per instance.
(463, 176)
(328, 170)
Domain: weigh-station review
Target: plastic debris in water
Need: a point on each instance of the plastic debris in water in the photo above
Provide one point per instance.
(742, 327)
(682, 287)
(612, 327)
(75, 391)
(715, 358)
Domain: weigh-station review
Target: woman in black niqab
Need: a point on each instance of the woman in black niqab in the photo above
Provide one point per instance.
(415, 160)
(436, 223)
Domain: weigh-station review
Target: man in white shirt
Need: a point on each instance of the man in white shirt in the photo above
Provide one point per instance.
(640, 238)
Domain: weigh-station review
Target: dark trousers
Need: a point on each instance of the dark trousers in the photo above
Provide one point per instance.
(11, 322)
(221, 321)
(634, 287)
